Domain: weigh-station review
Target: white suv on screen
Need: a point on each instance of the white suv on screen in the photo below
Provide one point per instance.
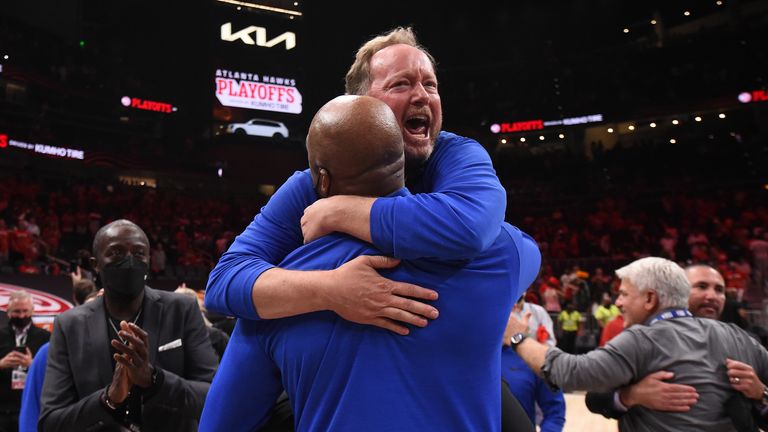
(259, 127)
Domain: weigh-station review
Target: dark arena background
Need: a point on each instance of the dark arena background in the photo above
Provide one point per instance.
(619, 129)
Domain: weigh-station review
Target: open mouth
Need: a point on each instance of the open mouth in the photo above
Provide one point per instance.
(418, 125)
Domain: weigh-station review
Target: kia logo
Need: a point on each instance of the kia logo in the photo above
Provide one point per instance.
(244, 36)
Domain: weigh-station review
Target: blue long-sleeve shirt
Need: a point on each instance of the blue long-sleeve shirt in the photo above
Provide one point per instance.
(343, 376)
(455, 213)
(529, 389)
(33, 388)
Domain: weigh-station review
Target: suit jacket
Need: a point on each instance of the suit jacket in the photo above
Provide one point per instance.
(79, 367)
(10, 400)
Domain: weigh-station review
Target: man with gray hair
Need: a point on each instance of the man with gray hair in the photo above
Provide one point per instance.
(654, 292)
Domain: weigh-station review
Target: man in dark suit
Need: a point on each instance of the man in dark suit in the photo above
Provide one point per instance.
(138, 359)
(19, 342)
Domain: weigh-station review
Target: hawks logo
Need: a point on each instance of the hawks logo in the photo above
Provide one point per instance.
(45, 304)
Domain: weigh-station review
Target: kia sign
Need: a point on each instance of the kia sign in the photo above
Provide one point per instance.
(247, 35)
(252, 91)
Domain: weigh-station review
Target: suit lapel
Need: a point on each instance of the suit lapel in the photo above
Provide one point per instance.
(153, 312)
(97, 354)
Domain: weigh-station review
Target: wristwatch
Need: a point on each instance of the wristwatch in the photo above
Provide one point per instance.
(516, 338)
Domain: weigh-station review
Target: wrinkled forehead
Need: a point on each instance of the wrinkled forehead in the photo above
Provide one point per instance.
(401, 59)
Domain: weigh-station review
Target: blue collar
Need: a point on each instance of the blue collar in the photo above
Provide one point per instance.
(670, 314)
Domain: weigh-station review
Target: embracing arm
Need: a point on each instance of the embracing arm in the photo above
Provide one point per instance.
(650, 392)
(272, 235)
(458, 218)
(246, 283)
(600, 369)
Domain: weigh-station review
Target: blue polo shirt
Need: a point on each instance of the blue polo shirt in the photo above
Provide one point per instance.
(455, 213)
(342, 376)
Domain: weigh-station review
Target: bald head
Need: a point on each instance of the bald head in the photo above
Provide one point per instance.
(355, 147)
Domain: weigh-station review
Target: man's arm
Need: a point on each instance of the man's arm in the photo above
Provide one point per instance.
(245, 367)
(599, 369)
(458, 218)
(355, 291)
(650, 392)
(272, 235)
(552, 404)
(246, 284)
(61, 410)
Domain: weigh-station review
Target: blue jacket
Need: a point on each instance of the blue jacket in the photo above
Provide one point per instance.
(529, 389)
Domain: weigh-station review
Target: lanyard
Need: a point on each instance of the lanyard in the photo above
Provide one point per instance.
(670, 314)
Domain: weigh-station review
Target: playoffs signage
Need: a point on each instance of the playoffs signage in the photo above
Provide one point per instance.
(254, 91)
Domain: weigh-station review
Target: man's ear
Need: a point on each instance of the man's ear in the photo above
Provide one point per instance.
(651, 300)
(323, 183)
(92, 260)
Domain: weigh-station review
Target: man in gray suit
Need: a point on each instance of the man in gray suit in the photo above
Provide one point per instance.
(654, 292)
(138, 359)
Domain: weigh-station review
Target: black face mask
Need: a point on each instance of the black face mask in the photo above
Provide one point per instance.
(19, 322)
(124, 277)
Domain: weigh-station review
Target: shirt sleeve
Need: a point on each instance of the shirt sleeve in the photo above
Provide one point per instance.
(552, 404)
(602, 369)
(458, 217)
(274, 233)
(245, 387)
(30, 396)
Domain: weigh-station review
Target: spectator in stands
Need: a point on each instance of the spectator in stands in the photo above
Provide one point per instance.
(758, 245)
(355, 146)
(30, 397)
(551, 293)
(570, 326)
(19, 343)
(655, 291)
(606, 312)
(539, 321)
(81, 287)
(219, 338)
(4, 243)
(158, 260)
(104, 369)
(611, 330)
(528, 388)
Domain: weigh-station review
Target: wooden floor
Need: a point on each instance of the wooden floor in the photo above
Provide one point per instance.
(579, 419)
